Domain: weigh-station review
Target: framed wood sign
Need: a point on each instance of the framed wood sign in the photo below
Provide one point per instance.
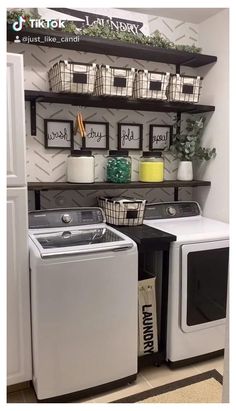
(97, 135)
(160, 137)
(130, 136)
(58, 133)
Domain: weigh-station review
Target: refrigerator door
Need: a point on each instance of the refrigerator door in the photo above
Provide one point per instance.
(16, 145)
(19, 366)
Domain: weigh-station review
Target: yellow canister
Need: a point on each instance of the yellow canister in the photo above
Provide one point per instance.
(151, 167)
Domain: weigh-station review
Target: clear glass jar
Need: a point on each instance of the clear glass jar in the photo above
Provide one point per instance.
(151, 167)
(118, 168)
(81, 167)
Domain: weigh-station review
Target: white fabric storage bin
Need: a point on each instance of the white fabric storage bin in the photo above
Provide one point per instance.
(147, 317)
(114, 81)
(151, 85)
(184, 88)
(71, 77)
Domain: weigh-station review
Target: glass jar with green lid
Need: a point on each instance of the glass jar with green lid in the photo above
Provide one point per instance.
(151, 167)
(118, 168)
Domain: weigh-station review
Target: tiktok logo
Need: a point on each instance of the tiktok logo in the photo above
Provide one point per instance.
(17, 26)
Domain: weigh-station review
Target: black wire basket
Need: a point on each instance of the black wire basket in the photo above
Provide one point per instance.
(114, 81)
(151, 85)
(184, 88)
(71, 77)
(128, 212)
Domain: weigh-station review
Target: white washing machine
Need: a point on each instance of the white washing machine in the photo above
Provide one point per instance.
(84, 281)
(198, 273)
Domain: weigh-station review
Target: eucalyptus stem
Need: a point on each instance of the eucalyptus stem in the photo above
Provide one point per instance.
(187, 146)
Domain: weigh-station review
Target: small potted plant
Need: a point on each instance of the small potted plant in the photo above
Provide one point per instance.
(186, 146)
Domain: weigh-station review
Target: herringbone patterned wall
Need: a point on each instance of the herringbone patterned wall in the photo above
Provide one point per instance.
(50, 165)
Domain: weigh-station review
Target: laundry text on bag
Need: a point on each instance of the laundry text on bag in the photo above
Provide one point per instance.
(148, 329)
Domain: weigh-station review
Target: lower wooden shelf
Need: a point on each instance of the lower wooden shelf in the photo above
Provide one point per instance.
(106, 186)
(37, 187)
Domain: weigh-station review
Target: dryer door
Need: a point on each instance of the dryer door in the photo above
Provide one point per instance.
(204, 284)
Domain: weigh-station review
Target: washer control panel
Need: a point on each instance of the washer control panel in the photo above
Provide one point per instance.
(175, 209)
(66, 217)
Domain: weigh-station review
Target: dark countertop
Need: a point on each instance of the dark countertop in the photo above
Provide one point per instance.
(146, 237)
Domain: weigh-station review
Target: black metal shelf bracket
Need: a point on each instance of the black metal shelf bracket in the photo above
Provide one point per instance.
(37, 200)
(33, 117)
(176, 194)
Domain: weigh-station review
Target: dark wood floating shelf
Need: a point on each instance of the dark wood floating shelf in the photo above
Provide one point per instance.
(106, 186)
(112, 47)
(123, 103)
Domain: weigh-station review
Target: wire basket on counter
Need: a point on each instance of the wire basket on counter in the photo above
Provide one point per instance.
(114, 81)
(151, 85)
(184, 88)
(122, 211)
(72, 77)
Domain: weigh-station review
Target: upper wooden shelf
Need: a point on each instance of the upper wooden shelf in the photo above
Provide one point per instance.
(111, 47)
(116, 102)
(106, 186)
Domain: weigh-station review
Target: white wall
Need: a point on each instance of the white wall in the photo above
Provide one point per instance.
(213, 38)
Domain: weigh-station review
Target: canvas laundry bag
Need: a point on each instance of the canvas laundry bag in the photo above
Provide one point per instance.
(148, 333)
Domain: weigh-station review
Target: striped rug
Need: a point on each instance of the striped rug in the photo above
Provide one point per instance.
(200, 388)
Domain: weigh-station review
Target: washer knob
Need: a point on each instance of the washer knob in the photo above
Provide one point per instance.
(66, 218)
(171, 211)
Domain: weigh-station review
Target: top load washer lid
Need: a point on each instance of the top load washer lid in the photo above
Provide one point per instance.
(61, 232)
(76, 237)
(76, 240)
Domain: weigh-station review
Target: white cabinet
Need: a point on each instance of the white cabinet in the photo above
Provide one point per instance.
(19, 360)
(16, 147)
(18, 292)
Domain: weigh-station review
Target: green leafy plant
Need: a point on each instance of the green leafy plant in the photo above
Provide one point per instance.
(13, 14)
(70, 27)
(155, 40)
(187, 146)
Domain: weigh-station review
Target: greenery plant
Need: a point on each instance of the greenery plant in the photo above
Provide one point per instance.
(187, 146)
(155, 40)
(70, 27)
(13, 14)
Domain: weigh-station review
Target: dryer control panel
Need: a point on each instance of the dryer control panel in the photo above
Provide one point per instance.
(66, 217)
(174, 209)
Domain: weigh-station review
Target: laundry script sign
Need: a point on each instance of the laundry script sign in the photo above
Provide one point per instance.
(85, 19)
(58, 133)
(130, 136)
(160, 137)
(97, 135)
